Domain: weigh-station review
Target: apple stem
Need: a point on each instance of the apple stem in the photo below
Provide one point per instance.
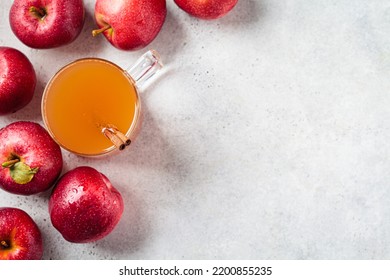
(4, 244)
(101, 30)
(39, 13)
(10, 163)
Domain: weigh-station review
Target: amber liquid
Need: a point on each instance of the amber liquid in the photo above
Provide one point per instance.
(82, 99)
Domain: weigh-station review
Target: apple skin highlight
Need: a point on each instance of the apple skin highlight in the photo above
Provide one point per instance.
(47, 24)
(31, 145)
(130, 24)
(207, 9)
(17, 80)
(20, 237)
(84, 206)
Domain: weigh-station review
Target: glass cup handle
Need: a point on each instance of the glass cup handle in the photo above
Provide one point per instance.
(145, 67)
(141, 72)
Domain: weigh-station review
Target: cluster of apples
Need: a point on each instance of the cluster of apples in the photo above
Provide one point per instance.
(84, 206)
(127, 24)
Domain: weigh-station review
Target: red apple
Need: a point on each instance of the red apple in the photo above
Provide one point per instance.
(206, 9)
(17, 80)
(20, 237)
(47, 24)
(130, 24)
(84, 206)
(31, 161)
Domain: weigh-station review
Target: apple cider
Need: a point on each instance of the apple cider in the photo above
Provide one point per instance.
(83, 99)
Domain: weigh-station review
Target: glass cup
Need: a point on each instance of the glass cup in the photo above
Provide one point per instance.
(91, 107)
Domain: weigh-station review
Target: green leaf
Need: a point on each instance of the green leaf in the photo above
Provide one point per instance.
(21, 173)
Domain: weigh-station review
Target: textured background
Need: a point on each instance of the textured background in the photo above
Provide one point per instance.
(265, 137)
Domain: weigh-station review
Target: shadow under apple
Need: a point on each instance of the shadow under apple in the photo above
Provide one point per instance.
(130, 233)
(171, 37)
(32, 111)
(53, 242)
(84, 45)
(244, 13)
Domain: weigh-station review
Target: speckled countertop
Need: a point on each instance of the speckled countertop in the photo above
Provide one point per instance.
(265, 137)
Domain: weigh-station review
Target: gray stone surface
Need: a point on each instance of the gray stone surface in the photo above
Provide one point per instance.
(265, 137)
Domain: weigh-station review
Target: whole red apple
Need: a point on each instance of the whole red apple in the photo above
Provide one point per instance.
(30, 160)
(17, 80)
(130, 24)
(84, 206)
(45, 24)
(206, 9)
(20, 237)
